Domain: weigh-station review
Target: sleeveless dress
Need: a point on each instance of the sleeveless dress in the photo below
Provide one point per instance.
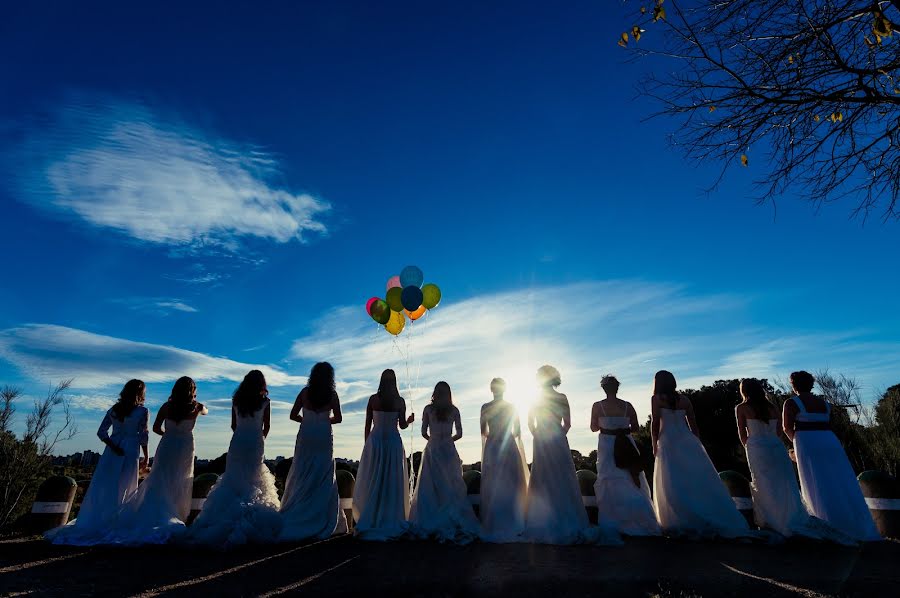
(242, 506)
(689, 497)
(504, 475)
(555, 512)
(827, 481)
(440, 506)
(620, 502)
(310, 506)
(157, 511)
(381, 495)
(114, 481)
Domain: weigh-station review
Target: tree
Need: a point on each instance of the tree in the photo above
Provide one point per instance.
(808, 90)
(24, 462)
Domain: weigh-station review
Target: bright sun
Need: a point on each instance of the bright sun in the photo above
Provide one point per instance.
(521, 387)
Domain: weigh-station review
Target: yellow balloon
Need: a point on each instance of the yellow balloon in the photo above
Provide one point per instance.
(415, 315)
(396, 323)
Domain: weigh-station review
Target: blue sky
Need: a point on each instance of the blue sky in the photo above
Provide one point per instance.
(204, 190)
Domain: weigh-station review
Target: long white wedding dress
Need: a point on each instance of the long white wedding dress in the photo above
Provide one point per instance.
(689, 497)
(827, 481)
(156, 513)
(242, 506)
(621, 503)
(114, 481)
(381, 495)
(504, 475)
(440, 506)
(555, 512)
(310, 506)
(777, 504)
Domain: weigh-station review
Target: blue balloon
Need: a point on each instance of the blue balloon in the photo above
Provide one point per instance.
(411, 276)
(411, 297)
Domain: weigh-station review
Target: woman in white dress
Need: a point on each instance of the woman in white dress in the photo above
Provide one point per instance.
(381, 495)
(310, 506)
(689, 497)
(157, 511)
(622, 491)
(116, 477)
(826, 478)
(504, 472)
(440, 506)
(555, 512)
(242, 506)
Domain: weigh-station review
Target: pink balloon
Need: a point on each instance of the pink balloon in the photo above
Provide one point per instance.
(369, 305)
(393, 281)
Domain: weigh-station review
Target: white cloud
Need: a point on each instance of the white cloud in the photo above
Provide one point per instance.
(121, 166)
(157, 305)
(48, 352)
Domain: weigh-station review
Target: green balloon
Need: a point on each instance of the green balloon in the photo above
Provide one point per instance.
(431, 296)
(381, 313)
(394, 300)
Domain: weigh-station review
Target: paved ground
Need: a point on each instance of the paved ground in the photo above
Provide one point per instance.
(345, 566)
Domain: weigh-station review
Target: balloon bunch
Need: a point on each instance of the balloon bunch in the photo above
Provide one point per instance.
(406, 297)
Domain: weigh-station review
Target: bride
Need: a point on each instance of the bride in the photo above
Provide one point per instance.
(827, 481)
(555, 512)
(381, 496)
(159, 508)
(504, 473)
(440, 507)
(310, 506)
(242, 506)
(689, 497)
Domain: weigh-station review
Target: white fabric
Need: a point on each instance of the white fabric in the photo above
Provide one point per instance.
(504, 475)
(689, 497)
(310, 506)
(555, 513)
(827, 481)
(620, 503)
(157, 511)
(440, 507)
(115, 479)
(242, 506)
(381, 495)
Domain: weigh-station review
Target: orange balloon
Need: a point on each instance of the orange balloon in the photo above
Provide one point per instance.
(415, 315)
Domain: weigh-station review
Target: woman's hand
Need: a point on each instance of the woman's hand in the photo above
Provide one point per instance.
(792, 455)
(117, 450)
(655, 448)
(411, 418)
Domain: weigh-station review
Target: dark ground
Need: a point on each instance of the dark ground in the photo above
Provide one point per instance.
(345, 566)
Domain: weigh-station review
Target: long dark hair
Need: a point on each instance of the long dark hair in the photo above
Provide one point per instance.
(752, 390)
(664, 384)
(320, 384)
(387, 391)
(182, 400)
(249, 396)
(442, 401)
(132, 396)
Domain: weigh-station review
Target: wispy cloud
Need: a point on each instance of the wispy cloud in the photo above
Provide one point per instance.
(48, 352)
(157, 305)
(122, 166)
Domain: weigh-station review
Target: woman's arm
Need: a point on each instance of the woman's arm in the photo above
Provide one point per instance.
(267, 419)
(144, 438)
(654, 423)
(532, 422)
(160, 418)
(298, 405)
(369, 416)
(741, 417)
(788, 418)
(483, 422)
(632, 416)
(457, 421)
(776, 415)
(595, 414)
(566, 416)
(426, 420)
(404, 422)
(103, 434)
(233, 418)
(337, 417)
(691, 420)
